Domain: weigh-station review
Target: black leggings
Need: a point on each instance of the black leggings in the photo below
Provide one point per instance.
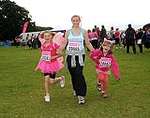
(78, 80)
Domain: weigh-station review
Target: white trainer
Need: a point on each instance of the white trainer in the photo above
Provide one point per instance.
(81, 100)
(47, 98)
(62, 82)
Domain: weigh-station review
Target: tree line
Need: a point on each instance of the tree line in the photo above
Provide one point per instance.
(12, 18)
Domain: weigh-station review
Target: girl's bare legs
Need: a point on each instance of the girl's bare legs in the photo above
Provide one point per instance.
(49, 82)
(58, 79)
(46, 85)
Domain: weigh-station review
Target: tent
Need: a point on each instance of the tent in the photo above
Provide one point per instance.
(146, 26)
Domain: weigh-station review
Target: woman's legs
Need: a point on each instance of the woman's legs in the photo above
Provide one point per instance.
(78, 80)
(71, 71)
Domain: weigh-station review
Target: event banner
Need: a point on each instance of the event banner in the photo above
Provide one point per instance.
(25, 26)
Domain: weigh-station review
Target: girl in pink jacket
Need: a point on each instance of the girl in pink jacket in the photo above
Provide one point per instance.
(105, 61)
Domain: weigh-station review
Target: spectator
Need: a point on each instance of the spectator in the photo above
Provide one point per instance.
(117, 37)
(139, 40)
(146, 38)
(98, 33)
(103, 33)
(111, 34)
(17, 41)
(130, 38)
(29, 43)
(123, 40)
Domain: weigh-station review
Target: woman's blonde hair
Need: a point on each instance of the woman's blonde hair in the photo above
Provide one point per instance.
(76, 16)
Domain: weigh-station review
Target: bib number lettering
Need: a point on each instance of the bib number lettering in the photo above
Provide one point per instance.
(45, 57)
(73, 46)
(105, 62)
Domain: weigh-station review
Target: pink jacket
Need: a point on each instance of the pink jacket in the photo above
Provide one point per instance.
(105, 63)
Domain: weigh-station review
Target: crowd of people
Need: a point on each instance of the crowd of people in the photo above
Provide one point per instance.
(123, 38)
(30, 41)
(127, 38)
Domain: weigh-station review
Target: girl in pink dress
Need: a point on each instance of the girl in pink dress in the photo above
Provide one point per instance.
(50, 62)
(105, 61)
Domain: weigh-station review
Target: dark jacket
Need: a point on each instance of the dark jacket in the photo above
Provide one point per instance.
(130, 36)
(146, 40)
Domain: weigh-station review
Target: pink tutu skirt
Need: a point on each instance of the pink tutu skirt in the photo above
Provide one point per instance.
(52, 66)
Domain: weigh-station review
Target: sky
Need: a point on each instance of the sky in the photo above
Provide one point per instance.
(117, 13)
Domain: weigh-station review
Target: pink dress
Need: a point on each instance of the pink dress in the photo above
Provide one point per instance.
(46, 64)
(105, 63)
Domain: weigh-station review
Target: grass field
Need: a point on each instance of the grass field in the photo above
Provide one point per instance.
(21, 90)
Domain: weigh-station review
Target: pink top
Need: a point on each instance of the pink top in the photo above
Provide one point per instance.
(92, 36)
(105, 63)
(47, 63)
(50, 49)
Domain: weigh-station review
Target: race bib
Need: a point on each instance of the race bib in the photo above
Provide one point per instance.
(74, 46)
(45, 57)
(105, 62)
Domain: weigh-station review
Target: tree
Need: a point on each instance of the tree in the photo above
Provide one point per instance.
(12, 18)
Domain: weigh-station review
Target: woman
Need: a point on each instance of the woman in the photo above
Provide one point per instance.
(75, 52)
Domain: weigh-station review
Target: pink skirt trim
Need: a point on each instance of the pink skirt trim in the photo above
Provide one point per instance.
(51, 67)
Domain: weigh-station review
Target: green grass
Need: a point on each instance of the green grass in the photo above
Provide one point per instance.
(21, 90)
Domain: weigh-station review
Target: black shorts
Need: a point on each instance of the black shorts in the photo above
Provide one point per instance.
(51, 75)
